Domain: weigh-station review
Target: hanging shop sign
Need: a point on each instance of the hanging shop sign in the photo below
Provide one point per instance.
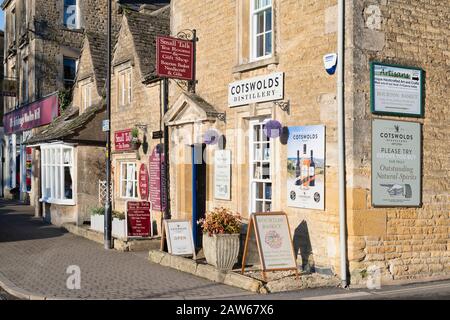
(157, 179)
(306, 167)
(178, 234)
(143, 182)
(28, 166)
(259, 89)
(222, 174)
(396, 90)
(122, 140)
(138, 217)
(396, 163)
(274, 241)
(33, 115)
(175, 58)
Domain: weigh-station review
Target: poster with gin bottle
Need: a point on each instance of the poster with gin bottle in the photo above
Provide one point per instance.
(306, 167)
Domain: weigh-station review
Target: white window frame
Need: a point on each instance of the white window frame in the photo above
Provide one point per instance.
(125, 87)
(133, 180)
(52, 174)
(261, 160)
(77, 16)
(86, 92)
(253, 28)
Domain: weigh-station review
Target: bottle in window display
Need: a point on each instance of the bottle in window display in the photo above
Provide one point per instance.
(298, 171)
(312, 171)
(305, 168)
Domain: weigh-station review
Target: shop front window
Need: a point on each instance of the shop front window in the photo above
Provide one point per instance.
(57, 173)
(260, 168)
(128, 180)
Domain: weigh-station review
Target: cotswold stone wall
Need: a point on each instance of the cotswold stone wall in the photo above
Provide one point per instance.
(304, 32)
(414, 242)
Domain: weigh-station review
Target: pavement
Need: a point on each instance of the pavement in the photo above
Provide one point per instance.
(41, 261)
(38, 261)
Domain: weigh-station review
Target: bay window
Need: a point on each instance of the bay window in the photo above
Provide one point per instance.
(128, 180)
(261, 29)
(57, 176)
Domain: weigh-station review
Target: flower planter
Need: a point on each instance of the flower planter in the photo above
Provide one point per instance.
(135, 145)
(98, 223)
(119, 228)
(221, 250)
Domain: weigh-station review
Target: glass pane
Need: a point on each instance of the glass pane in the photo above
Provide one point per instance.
(57, 178)
(67, 183)
(260, 46)
(259, 206)
(67, 156)
(267, 207)
(57, 156)
(256, 133)
(268, 20)
(266, 151)
(260, 22)
(266, 171)
(268, 191)
(69, 69)
(257, 152)
(259, 190)
(257, 174)
(268, 48)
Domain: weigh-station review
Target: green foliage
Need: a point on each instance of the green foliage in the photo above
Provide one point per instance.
(65, 98)
(100, 211)
(221, 221)
(135, 132)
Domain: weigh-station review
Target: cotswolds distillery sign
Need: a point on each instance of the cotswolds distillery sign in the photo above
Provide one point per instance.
(175, 58)
(258, 89)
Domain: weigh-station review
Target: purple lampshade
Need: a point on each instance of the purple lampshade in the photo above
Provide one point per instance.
(273, 129)
(211, 137)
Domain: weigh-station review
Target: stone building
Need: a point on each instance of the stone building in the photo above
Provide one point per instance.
(71, 150)
(43, 40)
(136, 105)
(243, 42)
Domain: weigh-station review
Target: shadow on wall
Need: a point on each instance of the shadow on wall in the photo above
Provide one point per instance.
(302, 246)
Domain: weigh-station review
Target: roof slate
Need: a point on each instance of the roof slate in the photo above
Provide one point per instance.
(144, 28)
(67, 124)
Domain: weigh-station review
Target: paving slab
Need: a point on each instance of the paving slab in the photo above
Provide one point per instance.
(36, 258)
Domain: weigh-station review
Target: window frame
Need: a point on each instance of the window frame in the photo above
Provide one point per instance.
(77, 16)
(25, 82)
(132, 180)
(125, 87)
(86, 103)
(56, 183)
(65, 81)
(253, 28)
(262, 160)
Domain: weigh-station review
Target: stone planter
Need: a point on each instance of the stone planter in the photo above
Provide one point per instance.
(119, 227)
(98, 223)
(221, 250)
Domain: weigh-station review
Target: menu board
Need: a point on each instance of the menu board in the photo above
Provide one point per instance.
(157, 179)
(222, 174)
(138, 219)
(143, 182)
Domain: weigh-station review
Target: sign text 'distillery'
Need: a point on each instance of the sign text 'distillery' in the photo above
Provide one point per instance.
(258, 89)
(175, 58)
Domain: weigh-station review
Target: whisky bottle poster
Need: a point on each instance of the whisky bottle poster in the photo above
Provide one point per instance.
(396, 163)
(306, 167)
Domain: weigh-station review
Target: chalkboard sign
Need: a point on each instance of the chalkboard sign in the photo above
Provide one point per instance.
(178, 234)
(274, 241)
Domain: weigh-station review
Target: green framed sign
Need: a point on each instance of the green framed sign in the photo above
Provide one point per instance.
(396, 90)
